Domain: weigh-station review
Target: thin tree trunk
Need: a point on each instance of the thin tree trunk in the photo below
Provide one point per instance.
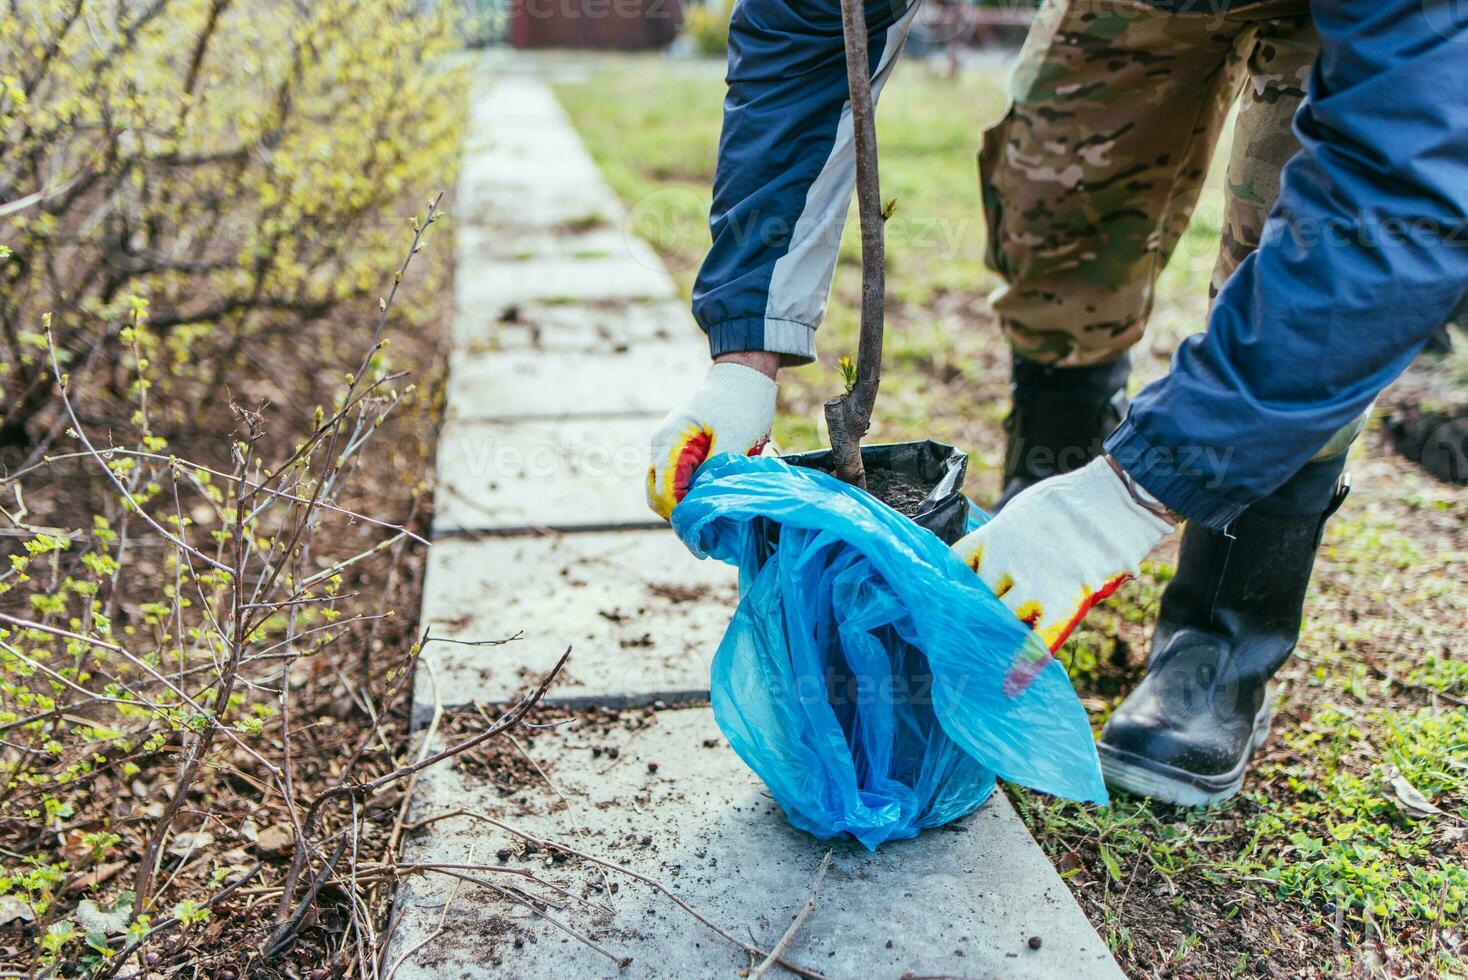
(850, 415)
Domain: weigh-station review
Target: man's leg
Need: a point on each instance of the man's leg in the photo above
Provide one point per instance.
(1090, 179)
(1278, 69)
(1088, 183)
(1342, 314)
(1230, 617)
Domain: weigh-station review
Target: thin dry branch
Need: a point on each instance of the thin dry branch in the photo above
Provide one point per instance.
(281, 935)
(653, 883)
(800, 917)
(137, 508)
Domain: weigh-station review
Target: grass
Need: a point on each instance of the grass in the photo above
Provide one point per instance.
(1318, 867)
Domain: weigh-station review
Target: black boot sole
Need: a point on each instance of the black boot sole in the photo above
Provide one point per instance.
(1162, 783)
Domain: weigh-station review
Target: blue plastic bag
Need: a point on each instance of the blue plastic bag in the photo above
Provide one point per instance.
(868, 676)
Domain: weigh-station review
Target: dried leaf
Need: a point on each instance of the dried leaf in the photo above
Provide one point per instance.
(190, 842)
(275, 839)
(1410, 799)
(98, 875)
(1069, 863)
(75, 849)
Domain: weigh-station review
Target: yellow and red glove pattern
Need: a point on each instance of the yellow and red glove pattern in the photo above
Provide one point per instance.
(1059, 548)
(731, 412)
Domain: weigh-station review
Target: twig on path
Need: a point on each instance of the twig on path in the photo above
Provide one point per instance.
(499, 869)
(652, 883)
(424, 747)
(521, 749)
(438, 929)
(621, 961)
(519, 635)
(506, 721)
(800, 917)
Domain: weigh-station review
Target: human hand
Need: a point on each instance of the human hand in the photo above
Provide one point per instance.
(1063, 545)
(731, 412)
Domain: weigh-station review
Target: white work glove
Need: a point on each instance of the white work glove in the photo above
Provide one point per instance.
(731, 413)
(1065, 544)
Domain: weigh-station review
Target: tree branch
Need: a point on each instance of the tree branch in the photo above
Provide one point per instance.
(849, 415)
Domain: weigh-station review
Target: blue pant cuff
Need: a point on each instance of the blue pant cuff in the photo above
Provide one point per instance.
(794, 342)
(1171, 477)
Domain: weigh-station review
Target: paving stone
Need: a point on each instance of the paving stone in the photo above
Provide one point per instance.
(515, 99)
(521, 137)
(501, 170)
(478, 244)
(566, 474)
(960, 902)
(551, 267)
(644, 380)
(510, 207)
(642, 615)
(608, 325)
(495, 285)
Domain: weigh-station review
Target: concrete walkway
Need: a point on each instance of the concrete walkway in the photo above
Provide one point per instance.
(570, 344)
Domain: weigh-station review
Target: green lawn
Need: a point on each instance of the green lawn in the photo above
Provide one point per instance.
(1317, 868)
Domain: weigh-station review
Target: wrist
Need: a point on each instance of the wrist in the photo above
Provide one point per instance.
(764, 362)
(1140, 495)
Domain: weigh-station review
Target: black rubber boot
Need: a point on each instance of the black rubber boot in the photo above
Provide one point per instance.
(1059, 418)
(1230, 618)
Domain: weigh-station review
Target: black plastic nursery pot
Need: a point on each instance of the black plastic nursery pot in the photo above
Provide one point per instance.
(935, 469)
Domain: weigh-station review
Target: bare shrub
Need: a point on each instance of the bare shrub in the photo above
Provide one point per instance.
(229, 164)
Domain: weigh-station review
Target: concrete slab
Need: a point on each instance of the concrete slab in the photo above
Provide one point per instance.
(568, 474)
(476, 245)
(960, 902)
(643, 380)
(520, 137)
(512, 209)
(553, 285)
(642, 615)
(609, 325)
(496, 285)
(507, 165)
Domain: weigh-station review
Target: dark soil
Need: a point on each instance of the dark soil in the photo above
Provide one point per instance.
(901, 492)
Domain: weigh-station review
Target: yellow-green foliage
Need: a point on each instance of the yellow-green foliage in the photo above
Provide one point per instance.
(707, 25)
(145, 649)
(184, 186)
(233, 164)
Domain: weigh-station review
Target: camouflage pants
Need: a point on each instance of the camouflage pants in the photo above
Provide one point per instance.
(1091, 178)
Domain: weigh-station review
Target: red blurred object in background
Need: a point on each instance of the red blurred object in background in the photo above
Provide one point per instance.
(608, 25)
